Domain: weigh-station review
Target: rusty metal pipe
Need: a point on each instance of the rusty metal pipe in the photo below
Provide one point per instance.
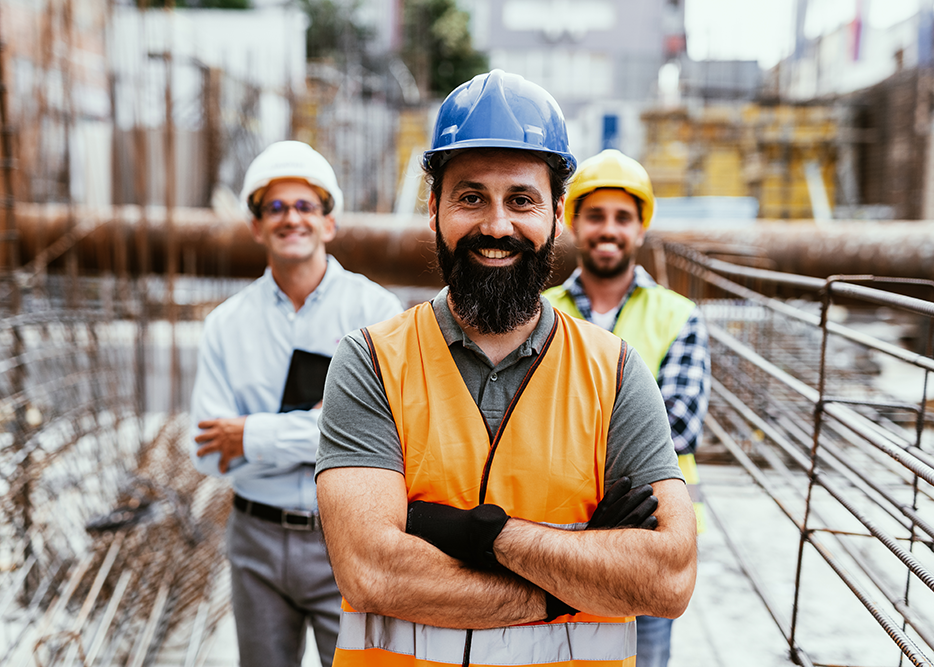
(398, 251)
(805, 248)
(212, 246)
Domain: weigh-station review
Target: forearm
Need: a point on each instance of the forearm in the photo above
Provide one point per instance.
(380, 569)
(282, 439)
(243, 447)
(414, 581)
(611, 572)
(240, 468)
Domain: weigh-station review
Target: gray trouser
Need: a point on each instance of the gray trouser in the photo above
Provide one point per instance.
(280, 579)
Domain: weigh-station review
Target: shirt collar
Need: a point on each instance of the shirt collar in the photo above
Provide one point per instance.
(330, 275)
(575, 289)
(453, 333)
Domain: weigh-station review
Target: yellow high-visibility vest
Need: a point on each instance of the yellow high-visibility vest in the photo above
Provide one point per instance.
(650, 321)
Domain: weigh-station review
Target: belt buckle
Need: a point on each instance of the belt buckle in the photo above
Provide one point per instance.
(309, 516)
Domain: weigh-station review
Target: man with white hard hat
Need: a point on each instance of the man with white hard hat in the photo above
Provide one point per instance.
(262, 362)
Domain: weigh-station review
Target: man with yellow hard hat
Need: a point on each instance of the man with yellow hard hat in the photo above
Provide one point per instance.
(609, 206)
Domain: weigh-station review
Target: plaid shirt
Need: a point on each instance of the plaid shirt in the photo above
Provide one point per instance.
(683, 377)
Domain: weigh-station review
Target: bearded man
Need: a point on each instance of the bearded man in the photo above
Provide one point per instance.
(489, 467)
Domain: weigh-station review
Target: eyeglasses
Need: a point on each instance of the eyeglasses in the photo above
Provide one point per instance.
(278, 209)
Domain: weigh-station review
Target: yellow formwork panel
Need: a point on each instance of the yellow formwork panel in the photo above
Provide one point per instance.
(723, 174)
(412, 137)
(742, 150)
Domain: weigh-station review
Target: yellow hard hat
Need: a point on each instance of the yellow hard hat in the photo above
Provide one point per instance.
(611, 169)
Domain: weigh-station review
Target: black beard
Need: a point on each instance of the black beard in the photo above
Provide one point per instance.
(495, 300)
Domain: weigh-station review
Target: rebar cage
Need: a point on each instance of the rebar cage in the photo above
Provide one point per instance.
(111, 543)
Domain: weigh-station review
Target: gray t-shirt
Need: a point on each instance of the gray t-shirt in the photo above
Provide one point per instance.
(358, 430)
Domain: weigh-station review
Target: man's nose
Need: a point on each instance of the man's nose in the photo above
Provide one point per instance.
(606, 227)
(497, 224)
(292, 215)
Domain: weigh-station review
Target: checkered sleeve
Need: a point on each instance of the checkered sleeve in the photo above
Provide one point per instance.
(684, 380)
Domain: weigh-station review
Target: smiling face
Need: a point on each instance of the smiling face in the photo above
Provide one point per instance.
(495, 228)
(608, 232)
(293, 238)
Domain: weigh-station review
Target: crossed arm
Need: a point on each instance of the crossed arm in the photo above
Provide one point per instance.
(381, 569)
(223, 443)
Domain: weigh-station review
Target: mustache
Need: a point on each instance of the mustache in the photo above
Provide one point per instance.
(480, 241)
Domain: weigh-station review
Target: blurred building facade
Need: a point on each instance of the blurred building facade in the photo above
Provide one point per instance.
(839, 129)
(599, 58)
(114, 105)
(855, 55)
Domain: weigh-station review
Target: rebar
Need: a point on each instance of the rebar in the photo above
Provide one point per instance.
(787, 378)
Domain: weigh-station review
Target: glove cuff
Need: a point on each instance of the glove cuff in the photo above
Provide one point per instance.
(487, 522)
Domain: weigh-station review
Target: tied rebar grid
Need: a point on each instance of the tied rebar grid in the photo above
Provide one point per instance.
(110, 541)
(795, 402)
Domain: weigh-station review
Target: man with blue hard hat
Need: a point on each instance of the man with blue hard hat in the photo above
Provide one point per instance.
(496, 480)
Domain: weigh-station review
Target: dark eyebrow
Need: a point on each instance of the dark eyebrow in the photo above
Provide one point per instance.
(526, 189)
(515, 189)
(467, 185)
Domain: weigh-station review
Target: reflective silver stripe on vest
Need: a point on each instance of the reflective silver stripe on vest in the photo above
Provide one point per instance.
(515, 645)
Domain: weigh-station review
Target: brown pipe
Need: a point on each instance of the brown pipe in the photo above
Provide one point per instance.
(211, 246)
(401, 252)
(903, 249)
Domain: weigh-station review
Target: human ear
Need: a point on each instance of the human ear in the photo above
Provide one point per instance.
(432, 212)
(330, 228)
(559, 216)
(256, 229)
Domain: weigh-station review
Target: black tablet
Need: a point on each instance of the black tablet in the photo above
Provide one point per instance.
(304, 386)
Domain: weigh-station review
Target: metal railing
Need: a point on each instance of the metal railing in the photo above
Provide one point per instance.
(797, 402)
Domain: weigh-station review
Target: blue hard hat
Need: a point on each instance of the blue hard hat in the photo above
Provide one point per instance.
(500, 110)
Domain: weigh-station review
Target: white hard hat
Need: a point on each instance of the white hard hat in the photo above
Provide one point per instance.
(293, 159)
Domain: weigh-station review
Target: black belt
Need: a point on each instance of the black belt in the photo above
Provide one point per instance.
(291, 519)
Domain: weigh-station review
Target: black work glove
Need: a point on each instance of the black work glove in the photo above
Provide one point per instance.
(625, 507)
(466, 535)
(621, 507)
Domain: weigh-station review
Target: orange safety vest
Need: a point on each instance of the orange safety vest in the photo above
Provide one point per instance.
(452, 457)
